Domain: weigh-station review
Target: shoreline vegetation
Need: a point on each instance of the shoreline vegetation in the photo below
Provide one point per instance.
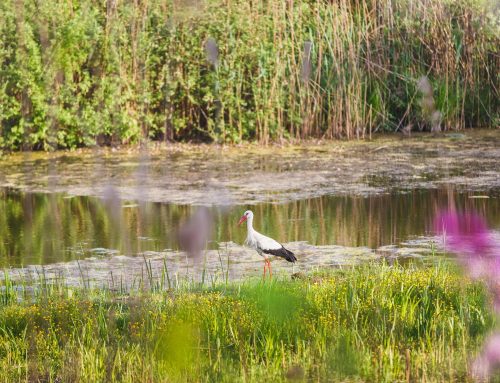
(373, 322)
(377, 141)
(88, 72)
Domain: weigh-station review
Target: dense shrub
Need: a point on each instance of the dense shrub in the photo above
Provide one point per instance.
(91, 72)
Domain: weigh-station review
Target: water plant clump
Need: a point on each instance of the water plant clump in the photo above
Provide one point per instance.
(369, 323)
(87, 72)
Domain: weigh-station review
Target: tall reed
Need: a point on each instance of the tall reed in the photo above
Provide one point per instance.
(85, 72)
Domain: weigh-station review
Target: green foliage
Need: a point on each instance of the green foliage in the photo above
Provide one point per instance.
(90, 72)
(371, 323)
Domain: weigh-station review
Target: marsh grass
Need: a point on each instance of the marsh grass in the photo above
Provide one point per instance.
(369, 323)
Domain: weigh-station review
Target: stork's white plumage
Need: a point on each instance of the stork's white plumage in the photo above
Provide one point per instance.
(265, 246)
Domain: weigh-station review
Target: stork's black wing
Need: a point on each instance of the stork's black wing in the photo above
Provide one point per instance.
(282, 252)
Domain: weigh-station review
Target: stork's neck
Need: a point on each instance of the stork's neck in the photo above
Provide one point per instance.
(250, 229)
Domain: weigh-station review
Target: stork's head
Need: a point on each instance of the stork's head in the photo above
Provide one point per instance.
(247, 215)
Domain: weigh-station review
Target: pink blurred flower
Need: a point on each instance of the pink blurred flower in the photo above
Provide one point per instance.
(465, 232)
(489, 359)
(467, 235)
(478, 249)
(196, 232)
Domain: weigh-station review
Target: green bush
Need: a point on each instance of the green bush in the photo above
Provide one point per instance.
(91, 72)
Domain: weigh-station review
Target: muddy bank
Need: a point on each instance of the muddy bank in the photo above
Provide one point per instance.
(248, 174)
(108, 268)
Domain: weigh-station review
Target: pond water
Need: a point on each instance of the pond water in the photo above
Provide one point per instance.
(103, 215)
(48, 229)
(214, 175)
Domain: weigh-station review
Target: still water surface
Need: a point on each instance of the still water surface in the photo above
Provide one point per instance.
(40, 229)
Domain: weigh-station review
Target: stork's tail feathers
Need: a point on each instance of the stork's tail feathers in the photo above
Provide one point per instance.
(290, 256)
(283, 253)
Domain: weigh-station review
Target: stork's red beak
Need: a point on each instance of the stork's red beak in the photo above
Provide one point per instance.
(242, 219)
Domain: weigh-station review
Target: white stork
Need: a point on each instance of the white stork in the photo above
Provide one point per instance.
(265, 246)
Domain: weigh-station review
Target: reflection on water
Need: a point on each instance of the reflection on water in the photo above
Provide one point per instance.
(48, 228)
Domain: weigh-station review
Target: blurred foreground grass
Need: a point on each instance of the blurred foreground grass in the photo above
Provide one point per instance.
(371, 323)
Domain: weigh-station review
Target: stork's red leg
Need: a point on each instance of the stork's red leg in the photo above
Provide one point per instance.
(270, 269)
(265, 265)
